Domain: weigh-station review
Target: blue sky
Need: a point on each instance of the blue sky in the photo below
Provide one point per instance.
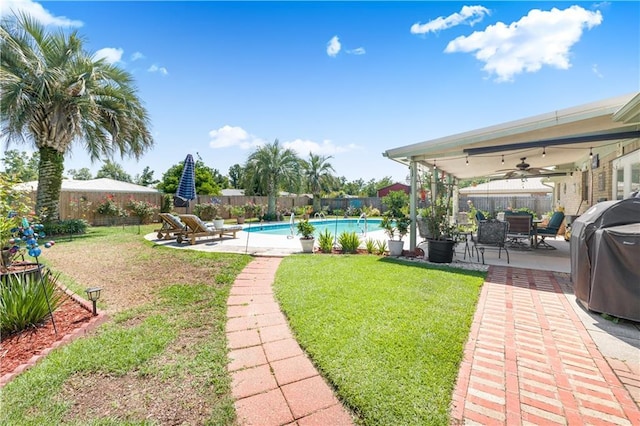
(347, 79)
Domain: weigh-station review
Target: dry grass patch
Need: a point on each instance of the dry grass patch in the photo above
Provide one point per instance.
(161, 360)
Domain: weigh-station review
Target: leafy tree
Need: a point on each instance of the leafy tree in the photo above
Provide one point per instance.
(205, 182)
(55, 93)
(81, 174)
(221, 180)
(145, 178)
(20, 165)
(317, 172)
(236, 175)
(114, 171)
(272, 168)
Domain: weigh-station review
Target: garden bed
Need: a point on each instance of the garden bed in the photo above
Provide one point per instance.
(21, 350)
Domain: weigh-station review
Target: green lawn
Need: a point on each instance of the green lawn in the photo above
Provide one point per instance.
(388, 334)
(161, 362)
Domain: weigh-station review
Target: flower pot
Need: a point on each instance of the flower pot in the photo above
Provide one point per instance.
(218, 223)
(441, 251)
(6, 258)
(307, 244)
(240, 220)
(395, 247)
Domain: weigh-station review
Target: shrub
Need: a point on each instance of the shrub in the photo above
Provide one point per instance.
(370, 245)
(207, 211)
(349, 242)
(23, 300)
(109, 207)
(144, 210)
(325, 241)
(64, 227)
(381, 247)
(167, 203)
(371, 211)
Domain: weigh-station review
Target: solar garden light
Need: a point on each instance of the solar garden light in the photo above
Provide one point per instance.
(93, 294)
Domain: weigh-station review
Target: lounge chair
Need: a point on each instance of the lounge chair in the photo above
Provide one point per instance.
(197, 228)
(172, 226)
(551, 230)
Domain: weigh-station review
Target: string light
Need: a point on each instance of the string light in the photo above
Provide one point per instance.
(544, 151)
(503, 159)
(590, 152)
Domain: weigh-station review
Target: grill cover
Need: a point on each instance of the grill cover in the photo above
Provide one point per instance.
(605, 249)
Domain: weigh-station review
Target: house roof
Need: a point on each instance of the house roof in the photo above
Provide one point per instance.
(509, 186)
(565, 136)
(93, 185)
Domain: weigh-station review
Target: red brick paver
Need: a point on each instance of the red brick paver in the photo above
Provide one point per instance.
(529, 359)
(273, 381)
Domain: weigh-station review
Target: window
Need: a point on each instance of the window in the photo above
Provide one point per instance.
(626, 175)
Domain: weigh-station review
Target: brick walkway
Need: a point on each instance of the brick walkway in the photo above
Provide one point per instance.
(273, 381)
(530, 360)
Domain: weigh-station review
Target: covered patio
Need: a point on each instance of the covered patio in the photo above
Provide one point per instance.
(554, 145)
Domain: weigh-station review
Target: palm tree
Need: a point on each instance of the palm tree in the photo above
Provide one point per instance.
(54, 93)
(317, 174)
(271, 168)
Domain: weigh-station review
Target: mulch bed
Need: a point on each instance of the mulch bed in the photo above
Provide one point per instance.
(16, 349)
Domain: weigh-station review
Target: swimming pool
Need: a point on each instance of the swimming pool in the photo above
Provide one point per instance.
(335, 226)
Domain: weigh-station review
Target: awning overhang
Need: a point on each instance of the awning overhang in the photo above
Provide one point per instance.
(565, 137)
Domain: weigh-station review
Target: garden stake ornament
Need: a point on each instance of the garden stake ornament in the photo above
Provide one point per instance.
(27, 234)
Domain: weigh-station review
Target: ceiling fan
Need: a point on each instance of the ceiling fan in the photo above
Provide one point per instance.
(523, 170)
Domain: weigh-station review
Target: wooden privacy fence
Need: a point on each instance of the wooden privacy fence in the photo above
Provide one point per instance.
(83, 204)
(540, 204)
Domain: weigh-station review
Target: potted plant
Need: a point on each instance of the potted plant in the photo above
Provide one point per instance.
(238, 212)
(395, 226)
(395, 220)
(440, 231)
(306, 229)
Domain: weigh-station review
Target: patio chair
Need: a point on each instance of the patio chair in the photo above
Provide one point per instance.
(491, 234)
(197, 228)
(480, 217)
(551, 230)
(520, 228)
(172, 226)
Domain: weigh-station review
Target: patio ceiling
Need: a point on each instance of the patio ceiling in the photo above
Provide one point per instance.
(565, 136)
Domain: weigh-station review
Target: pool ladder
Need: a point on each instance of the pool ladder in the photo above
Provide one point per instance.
(365, 226)
(291, 226)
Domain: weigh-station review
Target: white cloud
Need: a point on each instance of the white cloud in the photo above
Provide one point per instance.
(137, 56)
(468, 15)
(540, 38)
(357, 51)
(234, 136)
(229, 136)
(37, 12)
(304, 147)
(333, 46)
(596, 71)
(155, 68)
(110, 54)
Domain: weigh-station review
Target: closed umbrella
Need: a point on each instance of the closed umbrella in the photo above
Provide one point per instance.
(187, 185)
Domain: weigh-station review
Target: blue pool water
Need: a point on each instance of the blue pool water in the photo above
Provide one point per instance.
(336, 227)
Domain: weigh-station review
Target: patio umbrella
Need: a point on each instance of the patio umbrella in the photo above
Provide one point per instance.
(187, 185)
